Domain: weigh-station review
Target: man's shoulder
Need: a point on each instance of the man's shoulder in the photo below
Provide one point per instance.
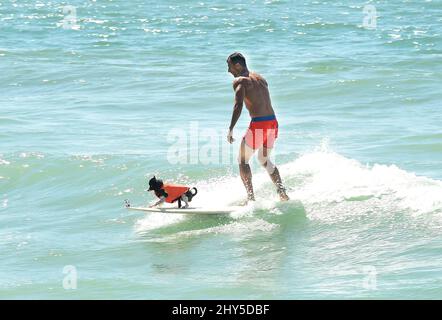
(240, 80)
(256, 76)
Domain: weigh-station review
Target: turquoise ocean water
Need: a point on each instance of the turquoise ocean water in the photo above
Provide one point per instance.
(87, 108)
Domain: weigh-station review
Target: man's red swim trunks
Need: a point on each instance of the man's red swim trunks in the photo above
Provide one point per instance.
(262, 131)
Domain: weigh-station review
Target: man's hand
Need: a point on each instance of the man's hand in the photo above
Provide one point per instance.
(230, 138)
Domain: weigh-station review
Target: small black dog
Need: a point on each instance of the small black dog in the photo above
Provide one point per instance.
(171, 192)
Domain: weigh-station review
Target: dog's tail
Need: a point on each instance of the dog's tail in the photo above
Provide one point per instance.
(190, 194)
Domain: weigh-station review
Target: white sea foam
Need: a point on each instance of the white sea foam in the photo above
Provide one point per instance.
(157, 220)
(238, 229)
(328, 185)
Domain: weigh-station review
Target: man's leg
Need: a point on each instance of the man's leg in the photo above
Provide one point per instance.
(245, 153)
(264, 159)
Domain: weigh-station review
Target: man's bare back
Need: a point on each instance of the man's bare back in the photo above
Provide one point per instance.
(256, 94)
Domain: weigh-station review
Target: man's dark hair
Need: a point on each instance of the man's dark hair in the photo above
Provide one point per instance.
(237, 57)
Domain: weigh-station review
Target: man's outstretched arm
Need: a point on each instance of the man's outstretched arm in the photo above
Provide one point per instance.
(237, 108)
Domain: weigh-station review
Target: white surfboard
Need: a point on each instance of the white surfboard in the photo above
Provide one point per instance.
(190, 210)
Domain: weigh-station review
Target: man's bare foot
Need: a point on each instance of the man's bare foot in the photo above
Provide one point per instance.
(283, 195)
(246, 202)
(242, 203)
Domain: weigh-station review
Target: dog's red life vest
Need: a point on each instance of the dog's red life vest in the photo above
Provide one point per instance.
(174, 191)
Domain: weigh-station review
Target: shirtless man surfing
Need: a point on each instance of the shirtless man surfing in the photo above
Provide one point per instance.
(252, 89)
